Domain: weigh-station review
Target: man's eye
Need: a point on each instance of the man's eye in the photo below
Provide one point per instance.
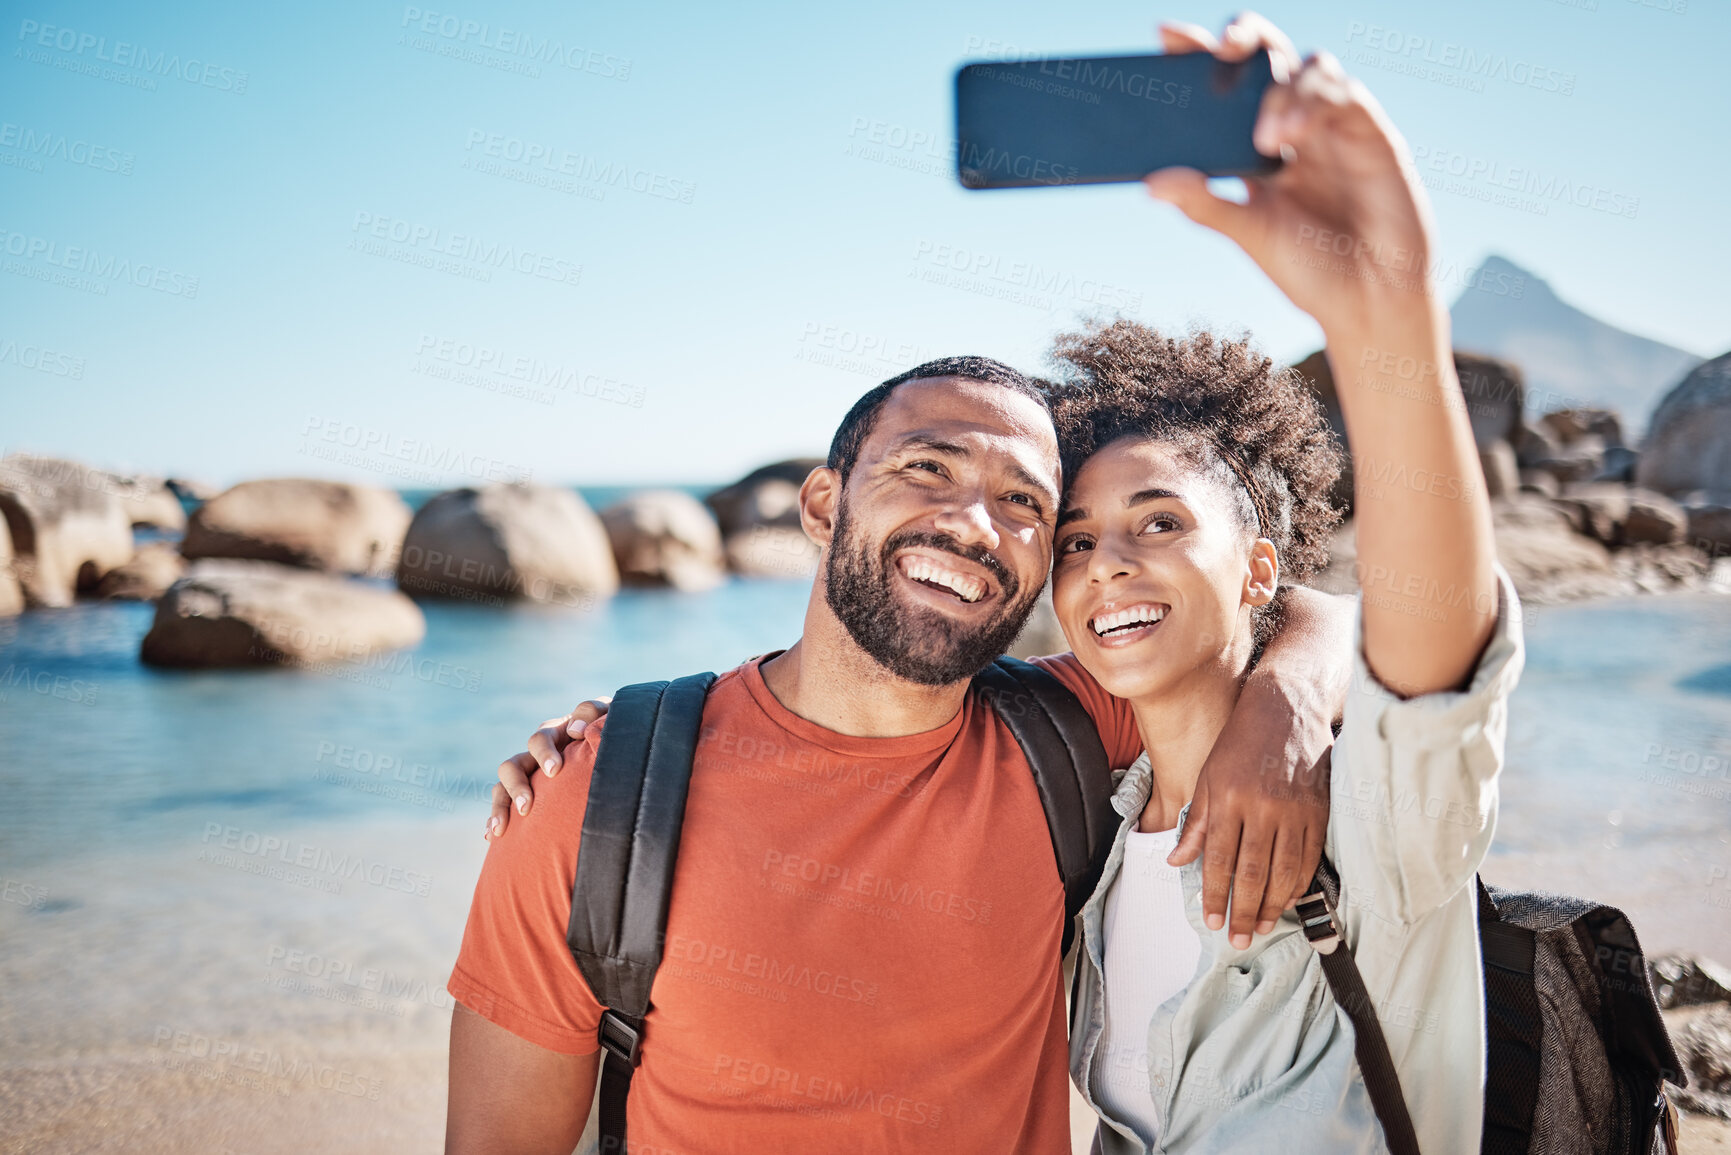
(929, 466)
(1023, 499)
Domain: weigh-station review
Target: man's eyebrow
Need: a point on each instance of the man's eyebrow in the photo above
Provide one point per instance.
(932, 444)
(929, 442)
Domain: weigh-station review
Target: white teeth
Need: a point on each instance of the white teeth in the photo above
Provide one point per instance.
(1135, 615)
(969, 589)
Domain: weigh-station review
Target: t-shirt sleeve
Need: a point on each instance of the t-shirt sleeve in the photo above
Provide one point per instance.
(1112, 716)
(514, 968)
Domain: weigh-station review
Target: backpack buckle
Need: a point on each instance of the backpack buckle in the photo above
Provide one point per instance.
(1318, 920)
(620, 1038)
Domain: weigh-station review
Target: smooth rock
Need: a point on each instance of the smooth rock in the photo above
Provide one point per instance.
(252, 613)
(149, 501)
(1547, 561)
(1618, 515)
(508, 542)
(1492, 390)
(11, 593)
(324, 525)
(67, 527)
(1709, 527)
(665, 537)
(772, 551)
(1581, 461)
(153, 569)
(1533, 444)
(191, 489)
(1570, 425)
(1688, 444)
(1502, 473)
(1540, 482)
(766, 496)
(1683, 980)
(1704, 1046)
(1618, 465)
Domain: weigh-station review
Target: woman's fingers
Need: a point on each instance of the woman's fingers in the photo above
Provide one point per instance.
(1251, 32)
(1188, 191)
(546, 743)
(586, 712)
(1181, 38)
(501, 813)
(514, 779)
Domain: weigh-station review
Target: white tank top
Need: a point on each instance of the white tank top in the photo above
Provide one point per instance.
(1151, 952)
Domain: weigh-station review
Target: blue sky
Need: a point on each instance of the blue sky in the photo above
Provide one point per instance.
(425, 244)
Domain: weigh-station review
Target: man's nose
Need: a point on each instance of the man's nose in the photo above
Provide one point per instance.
(969, 523)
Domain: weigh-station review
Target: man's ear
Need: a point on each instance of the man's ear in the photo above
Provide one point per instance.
(1262, 575)
(819, 497)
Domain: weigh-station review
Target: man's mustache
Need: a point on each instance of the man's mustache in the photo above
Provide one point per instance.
(947, 544)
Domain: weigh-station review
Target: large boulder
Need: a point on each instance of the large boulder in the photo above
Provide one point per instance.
(153, 569)
(1710, 528)
(1546, 559)
(1502, 473)
(1704, 1046)
(1570, 425)
(255, 613)
(323, 525)
(148, 501)
(772, 551)
(67, 526)
(1492, 389)
(508, 542)
(765, 496)
(662, 537)
(11, 593)
(1688, 445)
(1618, 515)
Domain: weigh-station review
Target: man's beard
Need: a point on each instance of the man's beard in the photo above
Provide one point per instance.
(914, 643)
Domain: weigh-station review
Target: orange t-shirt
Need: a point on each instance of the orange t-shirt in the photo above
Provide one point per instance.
(862, 940)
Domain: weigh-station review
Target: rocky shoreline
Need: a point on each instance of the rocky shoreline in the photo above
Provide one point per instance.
(274, 571)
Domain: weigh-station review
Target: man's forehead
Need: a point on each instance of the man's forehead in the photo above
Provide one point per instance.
(962, 407)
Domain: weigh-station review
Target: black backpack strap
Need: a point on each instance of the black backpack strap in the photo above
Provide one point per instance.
(1071, 771)
(625, 868)
(1513, 1030)
(1316, 912)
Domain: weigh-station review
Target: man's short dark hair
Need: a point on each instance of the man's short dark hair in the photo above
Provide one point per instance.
(857, 425)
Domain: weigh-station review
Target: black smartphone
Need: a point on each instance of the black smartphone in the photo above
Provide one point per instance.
(1093, 120)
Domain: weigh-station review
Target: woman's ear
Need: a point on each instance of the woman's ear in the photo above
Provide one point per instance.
(1262, 576)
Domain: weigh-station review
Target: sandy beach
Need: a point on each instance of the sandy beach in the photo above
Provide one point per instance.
(229, 1008)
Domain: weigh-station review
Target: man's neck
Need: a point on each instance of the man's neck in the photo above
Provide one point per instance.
(826, 678)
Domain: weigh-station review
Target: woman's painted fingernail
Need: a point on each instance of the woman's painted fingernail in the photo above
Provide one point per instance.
(492, 826)
(523, 804)
(576, 728)
(550, 766)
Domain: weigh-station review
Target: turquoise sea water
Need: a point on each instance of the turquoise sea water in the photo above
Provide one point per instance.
(1620, 732)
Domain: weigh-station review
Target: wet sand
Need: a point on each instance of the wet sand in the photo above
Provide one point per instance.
(189, 1000)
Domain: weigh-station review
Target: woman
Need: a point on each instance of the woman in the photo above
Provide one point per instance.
(1197, 477)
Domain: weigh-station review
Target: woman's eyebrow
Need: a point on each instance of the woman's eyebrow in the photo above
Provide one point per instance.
(1143, 495)
(1071, 513)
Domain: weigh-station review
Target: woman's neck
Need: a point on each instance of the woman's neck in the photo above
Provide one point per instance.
(1178, 730)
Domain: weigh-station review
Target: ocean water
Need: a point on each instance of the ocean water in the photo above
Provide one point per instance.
(1620, 732)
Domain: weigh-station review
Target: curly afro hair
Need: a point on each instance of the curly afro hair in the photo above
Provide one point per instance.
(1223, 403)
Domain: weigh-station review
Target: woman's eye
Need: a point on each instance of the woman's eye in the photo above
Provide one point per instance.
(1162, 523)
(1076, 545)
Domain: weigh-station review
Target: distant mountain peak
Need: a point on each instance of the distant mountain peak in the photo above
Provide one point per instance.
(1569, 358)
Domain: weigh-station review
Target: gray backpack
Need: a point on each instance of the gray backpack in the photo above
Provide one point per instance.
(1577, 1055)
